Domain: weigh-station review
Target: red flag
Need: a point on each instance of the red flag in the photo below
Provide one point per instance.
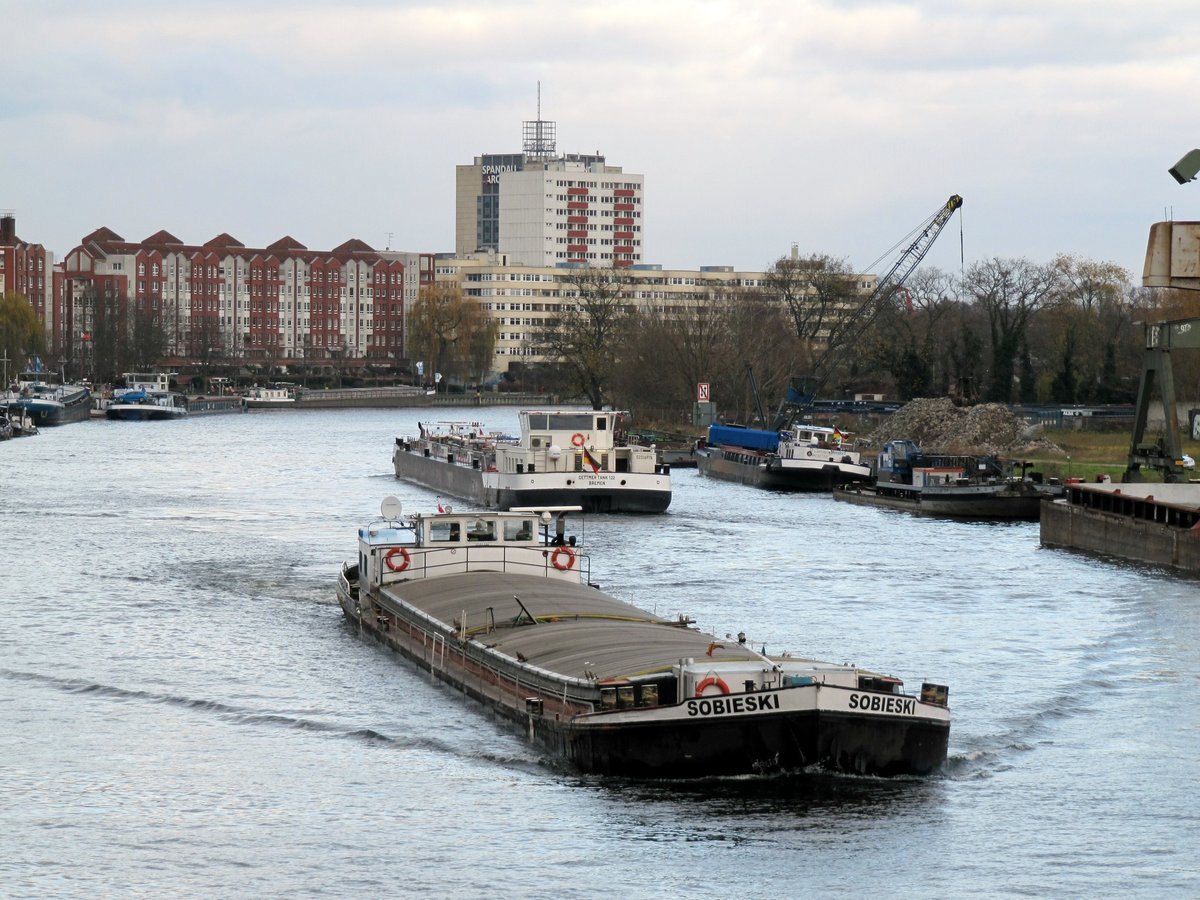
(440, 505)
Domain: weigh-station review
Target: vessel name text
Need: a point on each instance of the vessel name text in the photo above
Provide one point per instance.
(723, 706)
(904, 706)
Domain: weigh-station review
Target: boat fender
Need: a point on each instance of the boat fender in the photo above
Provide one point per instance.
(401, 552)
(563, 564)
(712, 681)
(578, 440)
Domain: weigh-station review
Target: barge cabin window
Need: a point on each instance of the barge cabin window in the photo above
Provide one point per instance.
(518, 529)
(444, 532)
(482, 530)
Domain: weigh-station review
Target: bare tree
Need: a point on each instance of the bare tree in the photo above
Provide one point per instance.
(583, 337)
(147, 338)
(818, 292)
(913, 335)
(1010, 292)
(712, 339)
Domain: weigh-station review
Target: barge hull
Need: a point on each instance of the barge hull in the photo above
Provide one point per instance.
(601, 744)
(757, 473)
(757, 746)
(997, 508)
(439, 475)
(1133, 528)
(608, 492)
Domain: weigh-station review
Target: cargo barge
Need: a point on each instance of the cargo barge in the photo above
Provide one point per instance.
(562, 458)
(500, 605)
(1147, 522)
(802, 458)
(952, 486)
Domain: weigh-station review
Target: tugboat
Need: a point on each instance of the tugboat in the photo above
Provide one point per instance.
(564, 458)
(803, 458)
(500, 606)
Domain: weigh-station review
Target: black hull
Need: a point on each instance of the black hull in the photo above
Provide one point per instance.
(756, 473)
(47, 417)
(592, 501)
(756, 746)
(701, 748)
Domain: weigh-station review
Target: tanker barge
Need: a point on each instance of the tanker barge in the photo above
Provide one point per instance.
(562, 458)
(500, 606)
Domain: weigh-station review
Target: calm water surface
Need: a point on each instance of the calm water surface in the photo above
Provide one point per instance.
(183, 711)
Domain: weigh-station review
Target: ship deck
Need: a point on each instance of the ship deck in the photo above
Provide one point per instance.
(577, 632)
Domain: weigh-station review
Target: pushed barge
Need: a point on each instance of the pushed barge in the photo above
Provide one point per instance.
(803, 458)
(562, 458)
(499, 604)
(956, 487)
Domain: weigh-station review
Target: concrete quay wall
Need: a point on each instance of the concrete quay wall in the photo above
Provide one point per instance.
(1069, 525)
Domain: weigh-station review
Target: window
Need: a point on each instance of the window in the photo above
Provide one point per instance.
(518, 529)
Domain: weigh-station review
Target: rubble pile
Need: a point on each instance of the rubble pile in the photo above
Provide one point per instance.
(989, 429)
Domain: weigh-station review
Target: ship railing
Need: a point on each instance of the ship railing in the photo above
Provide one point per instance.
(563, 562)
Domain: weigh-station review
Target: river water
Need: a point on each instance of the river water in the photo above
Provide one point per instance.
(184, 712)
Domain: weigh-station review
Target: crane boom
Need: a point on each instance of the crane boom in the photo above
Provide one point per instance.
(849, 330)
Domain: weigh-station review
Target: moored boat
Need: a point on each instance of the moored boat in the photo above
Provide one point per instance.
(564, 458)
(500, 605)
(146, 397)
(50, 402)
(952, 486)
(275, 396)
(805, 457)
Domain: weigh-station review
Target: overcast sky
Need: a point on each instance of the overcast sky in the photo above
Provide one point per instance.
(837, 126)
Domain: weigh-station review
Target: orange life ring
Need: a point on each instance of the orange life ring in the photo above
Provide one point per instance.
(559, 564)
(710, 681)
(578, 440)
(405, 559)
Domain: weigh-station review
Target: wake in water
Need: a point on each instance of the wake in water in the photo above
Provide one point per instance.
(243, 715)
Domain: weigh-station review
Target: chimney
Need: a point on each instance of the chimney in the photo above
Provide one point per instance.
(8, 230)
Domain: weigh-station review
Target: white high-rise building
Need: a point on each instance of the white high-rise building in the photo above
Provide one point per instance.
(539, 208)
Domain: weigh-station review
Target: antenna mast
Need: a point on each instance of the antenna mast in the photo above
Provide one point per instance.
(539, 134)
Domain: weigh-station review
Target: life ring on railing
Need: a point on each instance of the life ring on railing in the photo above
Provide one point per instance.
(560, 564)
(401, 552)
(712, 681)
(578, 440)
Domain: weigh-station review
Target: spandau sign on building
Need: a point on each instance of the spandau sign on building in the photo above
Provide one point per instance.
(491, 174)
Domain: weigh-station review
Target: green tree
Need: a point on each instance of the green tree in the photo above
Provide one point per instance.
(21, 334)
(449, 330)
